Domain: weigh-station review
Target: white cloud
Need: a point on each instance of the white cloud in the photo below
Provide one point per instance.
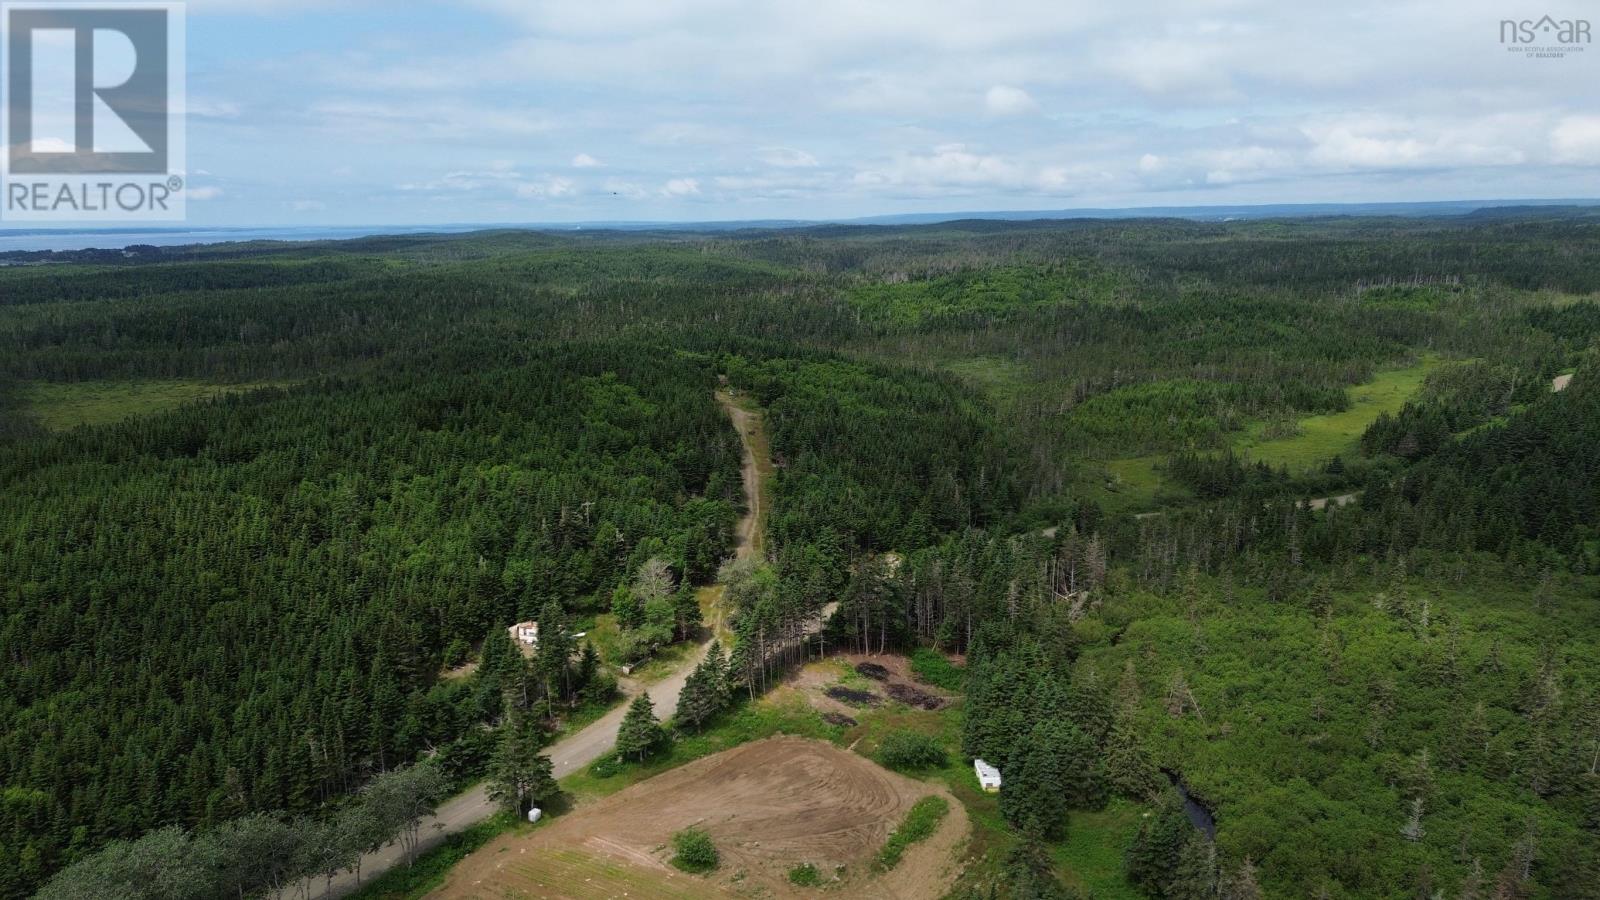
(680, 187)
(1004, 100)
(1576, 139)
(897, 103)
(956, 168)
(680, 133)
(550, 187)
(205, 193)
(788, 158)
(625, 189)
(1392, 142)
(380, 121)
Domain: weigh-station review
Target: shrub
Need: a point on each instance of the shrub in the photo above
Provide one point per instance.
(606, 766)
(906, 751)
(805, 875)
(693, 850)
(931, 667)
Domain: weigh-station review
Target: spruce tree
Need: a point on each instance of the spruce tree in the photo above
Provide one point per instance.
(1128, 767)
(640, 730)
(519, 774)
(554, 658)
(1054, 769)
(686, 612)
(1152, 858)
(588, 667)
(694, 701)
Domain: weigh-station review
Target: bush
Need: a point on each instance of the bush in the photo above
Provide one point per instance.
(693, 850)
(606, 766)
(907, 751)
(805, 875)
(920, 824)
(931, 667)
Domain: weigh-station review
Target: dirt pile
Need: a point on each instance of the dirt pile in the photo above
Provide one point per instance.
(769, 806)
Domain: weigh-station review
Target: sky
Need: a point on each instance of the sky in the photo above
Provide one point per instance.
(500, 111)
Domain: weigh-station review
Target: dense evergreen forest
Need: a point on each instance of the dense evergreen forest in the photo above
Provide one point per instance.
(1078, 453)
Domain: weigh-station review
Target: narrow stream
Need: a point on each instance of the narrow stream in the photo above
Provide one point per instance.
(1199, 815)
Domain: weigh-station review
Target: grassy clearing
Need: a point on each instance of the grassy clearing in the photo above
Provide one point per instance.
(60, 406)
(933, 667)
(1134, 485)
(1003, 380)
(919, 825)
(1091, 856)
(1323, 437)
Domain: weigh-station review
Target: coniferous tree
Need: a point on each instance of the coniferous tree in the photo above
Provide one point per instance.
(1053, 770)
(554, 657)
(1128, 767)
(640, 731)
(686, 612)
(1152, 858)
(520, 775)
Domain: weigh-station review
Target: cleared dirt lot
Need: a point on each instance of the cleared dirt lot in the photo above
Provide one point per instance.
(769, 805)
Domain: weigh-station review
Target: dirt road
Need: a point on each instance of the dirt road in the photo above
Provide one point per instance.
(583, 747)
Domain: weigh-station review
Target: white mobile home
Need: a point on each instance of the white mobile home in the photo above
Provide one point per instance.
(988, 776)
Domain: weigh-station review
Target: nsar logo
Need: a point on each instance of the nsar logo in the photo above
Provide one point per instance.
(1546, 37)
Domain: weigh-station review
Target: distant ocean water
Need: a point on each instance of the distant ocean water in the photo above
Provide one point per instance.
(46, 239)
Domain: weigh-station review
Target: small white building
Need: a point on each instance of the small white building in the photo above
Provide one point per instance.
(525, 635)
(988, 776)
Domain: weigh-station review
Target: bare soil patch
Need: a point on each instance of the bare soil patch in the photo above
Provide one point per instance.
(914, 696)
(853, 697)
(769, 806)
(875, 671)
(820, 683)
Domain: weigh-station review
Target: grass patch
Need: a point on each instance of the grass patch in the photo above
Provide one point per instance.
(1090, 858)
(60, 406)
(919, 825)
(1135, 485)
(933, 667)
(1320, 438)
(1005, 381)
(431, 868)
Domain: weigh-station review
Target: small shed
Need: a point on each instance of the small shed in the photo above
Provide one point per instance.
(988, 776)
(526, 636)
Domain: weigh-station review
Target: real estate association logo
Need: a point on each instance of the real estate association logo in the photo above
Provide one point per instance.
(1546, 37)
(91, 107)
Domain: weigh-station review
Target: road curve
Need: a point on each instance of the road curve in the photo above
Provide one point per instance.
(589, 743)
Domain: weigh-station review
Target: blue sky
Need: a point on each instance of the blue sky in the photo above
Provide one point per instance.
(504, 111)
